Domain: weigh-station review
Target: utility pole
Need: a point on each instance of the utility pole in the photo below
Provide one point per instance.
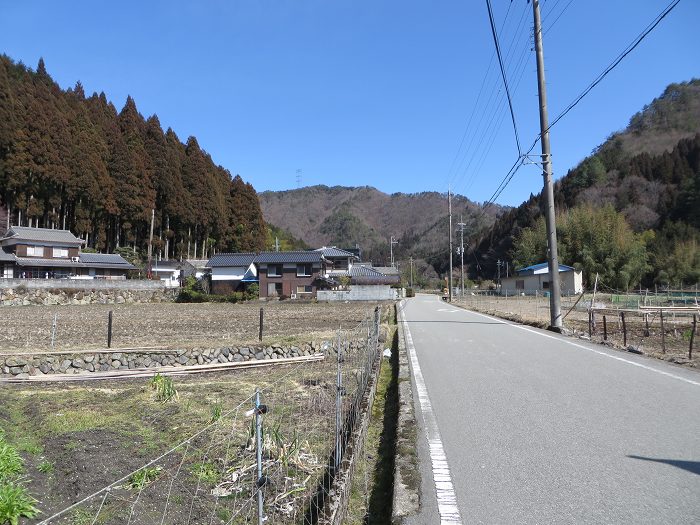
(498, 281)
(391, 248)
(411, 259)
(552, 255)
(461, 225)
(449, 208)
(277, 244)
(149, 273)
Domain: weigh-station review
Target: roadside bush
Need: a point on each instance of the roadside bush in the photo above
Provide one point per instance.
(190, 296)
(410, 292)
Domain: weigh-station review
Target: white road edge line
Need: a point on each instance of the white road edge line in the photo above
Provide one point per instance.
(583, 347)
(446, 498)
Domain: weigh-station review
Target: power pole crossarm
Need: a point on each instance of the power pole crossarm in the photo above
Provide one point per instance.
(553, 257)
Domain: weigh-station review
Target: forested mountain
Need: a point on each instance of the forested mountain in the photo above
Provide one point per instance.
(630, 211)
(75, 162)
(346, 216)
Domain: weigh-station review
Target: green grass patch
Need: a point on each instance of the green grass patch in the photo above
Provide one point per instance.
(11, 463)
(45, 467)
(15, 503)
(143, 477)
(205, 472)
(164, 387)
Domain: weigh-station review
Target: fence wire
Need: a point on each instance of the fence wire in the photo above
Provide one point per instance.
(271, 456)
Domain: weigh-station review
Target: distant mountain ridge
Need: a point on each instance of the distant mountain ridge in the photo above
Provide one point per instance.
(346, 216)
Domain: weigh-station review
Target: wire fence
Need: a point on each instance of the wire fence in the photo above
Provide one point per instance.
(662, 324)
(272, 456)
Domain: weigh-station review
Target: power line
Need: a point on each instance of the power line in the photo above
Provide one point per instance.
(652, 25)
(503, 74)
(557, 18)
(615, 62)
(476, 104)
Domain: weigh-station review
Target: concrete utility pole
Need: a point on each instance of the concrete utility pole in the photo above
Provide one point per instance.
(392, 241)
(449, 208)
(150, 244)
(553, 257)
(498, 281)
(411, 260)
(461, 225)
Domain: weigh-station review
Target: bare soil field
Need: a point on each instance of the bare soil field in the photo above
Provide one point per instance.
(29, 328)
(643, 335)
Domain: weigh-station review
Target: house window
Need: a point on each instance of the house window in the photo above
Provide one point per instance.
(274, 270)
(303, 270)
(35, 251)
(520, 284)
(274, 289)
(304, 290)
(545, 285)
(60, 252)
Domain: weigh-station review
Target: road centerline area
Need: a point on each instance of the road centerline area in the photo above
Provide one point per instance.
(537, 431)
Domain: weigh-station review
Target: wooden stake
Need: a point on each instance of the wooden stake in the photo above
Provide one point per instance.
(624, 329)
(663, 332)
(692, 336)
(109, 330)
(605, 329)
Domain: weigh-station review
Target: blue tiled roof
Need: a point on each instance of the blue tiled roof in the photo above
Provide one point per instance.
(541, 266)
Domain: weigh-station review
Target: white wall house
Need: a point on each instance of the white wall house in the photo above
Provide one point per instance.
(535, 278)
(230, 271)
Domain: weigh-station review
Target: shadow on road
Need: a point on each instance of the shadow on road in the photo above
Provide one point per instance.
(690, 466)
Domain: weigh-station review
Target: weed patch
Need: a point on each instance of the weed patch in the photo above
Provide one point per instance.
(164, 387)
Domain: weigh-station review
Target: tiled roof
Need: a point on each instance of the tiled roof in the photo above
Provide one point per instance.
(387, 270)
(23, 233)
(535, 268)
(231, 259)
(364, 271)
(332, 251)
(49, 263)
(105, 260)
(289, 257)
(6, 257)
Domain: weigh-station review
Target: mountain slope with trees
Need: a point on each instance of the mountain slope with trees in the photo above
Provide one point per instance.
(75, 162)
(365, 216)
(629, 211)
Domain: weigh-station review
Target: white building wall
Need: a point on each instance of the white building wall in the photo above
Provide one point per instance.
(571, 283)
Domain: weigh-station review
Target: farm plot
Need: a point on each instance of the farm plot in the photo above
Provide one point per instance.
(30, 328)
(76, 440)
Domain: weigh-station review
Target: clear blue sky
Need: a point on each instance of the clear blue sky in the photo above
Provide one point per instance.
(361, 92)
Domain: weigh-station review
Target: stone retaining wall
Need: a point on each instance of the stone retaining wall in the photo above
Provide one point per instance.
(24, 296)
(24, 365)
(84, 284)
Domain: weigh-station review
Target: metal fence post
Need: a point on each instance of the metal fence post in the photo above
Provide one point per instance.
(53, 330)
(338, 408)
(258, 455)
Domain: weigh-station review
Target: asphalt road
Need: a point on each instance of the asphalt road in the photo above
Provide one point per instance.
(541, 428)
